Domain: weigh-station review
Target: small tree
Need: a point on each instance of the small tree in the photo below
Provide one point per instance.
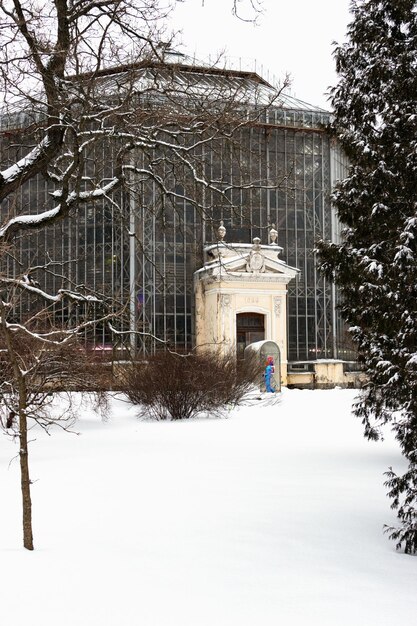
(34, 366)
(375, 263)
(173, 386)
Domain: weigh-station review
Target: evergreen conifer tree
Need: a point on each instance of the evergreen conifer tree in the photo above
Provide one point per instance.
(375, 264)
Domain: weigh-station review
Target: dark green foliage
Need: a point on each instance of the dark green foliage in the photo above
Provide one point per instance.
(173, 386)
(375, 265)
(403, 491)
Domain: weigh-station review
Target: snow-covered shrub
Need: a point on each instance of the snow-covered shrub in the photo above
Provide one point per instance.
(173, 386)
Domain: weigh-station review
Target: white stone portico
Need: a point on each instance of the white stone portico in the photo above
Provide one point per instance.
(241, 279)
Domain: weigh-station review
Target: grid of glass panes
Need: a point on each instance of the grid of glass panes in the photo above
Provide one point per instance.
(287, 154)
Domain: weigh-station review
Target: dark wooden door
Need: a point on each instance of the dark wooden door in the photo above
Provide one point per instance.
(250, 327)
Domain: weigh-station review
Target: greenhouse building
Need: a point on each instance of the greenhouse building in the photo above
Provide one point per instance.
(186, 263)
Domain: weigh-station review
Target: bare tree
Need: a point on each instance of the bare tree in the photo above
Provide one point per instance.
(108, 116)
(36, 363)
(97, 73)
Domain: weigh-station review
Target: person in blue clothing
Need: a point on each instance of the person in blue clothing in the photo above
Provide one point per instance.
(269, 371)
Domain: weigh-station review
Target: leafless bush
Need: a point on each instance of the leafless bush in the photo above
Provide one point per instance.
(33, 367)
(171, 386)
(32, 373)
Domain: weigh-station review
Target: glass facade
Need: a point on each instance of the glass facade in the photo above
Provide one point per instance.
(142, 247)
(292, 166)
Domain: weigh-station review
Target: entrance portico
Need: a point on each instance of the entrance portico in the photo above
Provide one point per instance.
(241, 296)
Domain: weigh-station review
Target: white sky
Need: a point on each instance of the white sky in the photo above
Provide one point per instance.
(291, 36)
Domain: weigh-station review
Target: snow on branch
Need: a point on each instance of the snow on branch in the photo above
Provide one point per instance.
(28, 222)
(24, 283)
(46, 218)
(59, 336)
(17, 169)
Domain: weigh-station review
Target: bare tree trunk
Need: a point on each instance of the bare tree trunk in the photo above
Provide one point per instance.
(24, 477)
(23, 434)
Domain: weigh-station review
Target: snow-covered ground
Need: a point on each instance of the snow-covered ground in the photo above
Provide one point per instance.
(271, 516)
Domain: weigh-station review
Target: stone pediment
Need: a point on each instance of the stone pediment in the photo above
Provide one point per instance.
(247, 261)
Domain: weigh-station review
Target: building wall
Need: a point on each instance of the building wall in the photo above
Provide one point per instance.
(295, 164)
(219, 303)
(287, 153)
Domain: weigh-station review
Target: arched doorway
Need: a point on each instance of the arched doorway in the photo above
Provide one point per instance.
(250, 327)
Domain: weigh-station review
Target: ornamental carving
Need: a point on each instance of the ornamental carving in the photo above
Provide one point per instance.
(226, 301)
(277, 305)
(256, 261)
(273, 235)
(221, 231)
(266, 277)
